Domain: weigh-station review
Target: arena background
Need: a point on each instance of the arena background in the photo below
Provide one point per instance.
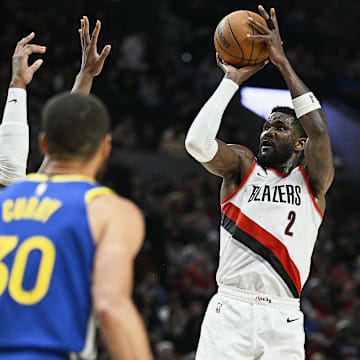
(160, 71)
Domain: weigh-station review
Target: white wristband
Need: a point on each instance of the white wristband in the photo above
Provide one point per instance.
(305, 103)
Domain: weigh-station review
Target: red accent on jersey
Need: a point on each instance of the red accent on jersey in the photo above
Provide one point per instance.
(310, 192)
(280, 174)
(241, 184)
(266, 239)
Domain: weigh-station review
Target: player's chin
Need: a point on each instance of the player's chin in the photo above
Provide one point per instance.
(266, 151)
(266, 157)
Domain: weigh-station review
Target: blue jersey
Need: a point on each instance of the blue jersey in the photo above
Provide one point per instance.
(46, 258)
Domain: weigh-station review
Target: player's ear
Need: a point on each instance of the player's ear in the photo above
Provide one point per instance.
(106, 146)
(300, 144)
(43, 146)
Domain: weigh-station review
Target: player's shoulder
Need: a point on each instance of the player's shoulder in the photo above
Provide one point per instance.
(107, 202)
(107, 210)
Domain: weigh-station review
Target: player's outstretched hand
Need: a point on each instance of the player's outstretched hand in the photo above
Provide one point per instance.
(238, 75)
(22, 73)
(91, 63)
(270, 34)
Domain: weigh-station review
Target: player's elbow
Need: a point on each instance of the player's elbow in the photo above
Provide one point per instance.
(191, 145)
(202, 151)
(110, 308)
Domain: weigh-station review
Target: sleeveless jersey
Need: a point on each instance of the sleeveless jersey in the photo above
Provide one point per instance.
(269, 226)
(46, 258)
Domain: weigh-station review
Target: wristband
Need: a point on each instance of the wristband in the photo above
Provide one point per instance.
(305, 103)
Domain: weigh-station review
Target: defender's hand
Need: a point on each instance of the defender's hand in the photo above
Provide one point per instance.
(22, 73)
(270, 35)
(238, 75)
(91, 62)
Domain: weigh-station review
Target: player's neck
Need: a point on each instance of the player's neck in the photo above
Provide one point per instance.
(67, 167)
(286, 167)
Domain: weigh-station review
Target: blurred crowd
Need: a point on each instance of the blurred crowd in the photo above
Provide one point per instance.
(161, 68)
(160, 71)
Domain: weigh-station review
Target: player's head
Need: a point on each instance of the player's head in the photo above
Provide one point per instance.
(282, 138)
(76, 127)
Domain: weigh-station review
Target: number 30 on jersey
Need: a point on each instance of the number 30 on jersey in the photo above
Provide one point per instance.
(12, 279)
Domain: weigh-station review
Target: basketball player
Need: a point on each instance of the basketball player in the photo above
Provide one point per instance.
(14, 131)
(272, 207)
(67, 244)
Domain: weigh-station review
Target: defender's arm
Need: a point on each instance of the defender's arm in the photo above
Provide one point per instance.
(14, 130)
(91, 62)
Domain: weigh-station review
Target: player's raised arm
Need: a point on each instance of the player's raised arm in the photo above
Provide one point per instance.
(91, 62)
(318, 154)
(14, 131)
(217, 157)
(119, 240)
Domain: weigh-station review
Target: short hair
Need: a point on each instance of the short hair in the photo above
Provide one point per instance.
(74, 124)
(295, 121)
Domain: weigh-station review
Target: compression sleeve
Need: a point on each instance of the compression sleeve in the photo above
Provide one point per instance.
(14, 138)
(200, 140)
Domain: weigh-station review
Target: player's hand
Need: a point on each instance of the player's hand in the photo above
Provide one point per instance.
(22, 73)
(238, 75)
(270, 36)
(91, 62)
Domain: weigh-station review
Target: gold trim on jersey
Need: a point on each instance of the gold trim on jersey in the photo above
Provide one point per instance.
(95, 192)
(59, 178)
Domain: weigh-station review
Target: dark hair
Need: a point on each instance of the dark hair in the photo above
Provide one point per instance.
(295, 121)
(74, 124)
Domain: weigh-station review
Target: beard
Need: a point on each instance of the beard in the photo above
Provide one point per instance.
(274, 157)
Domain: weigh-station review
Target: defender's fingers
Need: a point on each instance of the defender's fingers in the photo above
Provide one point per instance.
(35, 66)
(259, 26)
(105, 52)
(32, 48)
(86, 30)
(95, 34)
(25, 40)
(81, 38)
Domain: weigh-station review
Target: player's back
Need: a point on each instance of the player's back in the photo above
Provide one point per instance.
(46, 258)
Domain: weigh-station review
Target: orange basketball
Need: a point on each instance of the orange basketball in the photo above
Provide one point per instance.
(232, 44)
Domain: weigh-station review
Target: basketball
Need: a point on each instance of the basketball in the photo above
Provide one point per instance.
(232, 44)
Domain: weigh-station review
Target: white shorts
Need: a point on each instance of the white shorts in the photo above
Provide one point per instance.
(241, 325)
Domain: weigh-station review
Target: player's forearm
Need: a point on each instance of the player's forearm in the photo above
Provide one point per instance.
(83, 83)
(293, 82)
(314, 122)
(124, 332)
(200, 140)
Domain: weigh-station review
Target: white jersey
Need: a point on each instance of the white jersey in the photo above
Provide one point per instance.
(268, 231)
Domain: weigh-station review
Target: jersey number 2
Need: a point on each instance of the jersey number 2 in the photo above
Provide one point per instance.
(291, 217)
(13, 278)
